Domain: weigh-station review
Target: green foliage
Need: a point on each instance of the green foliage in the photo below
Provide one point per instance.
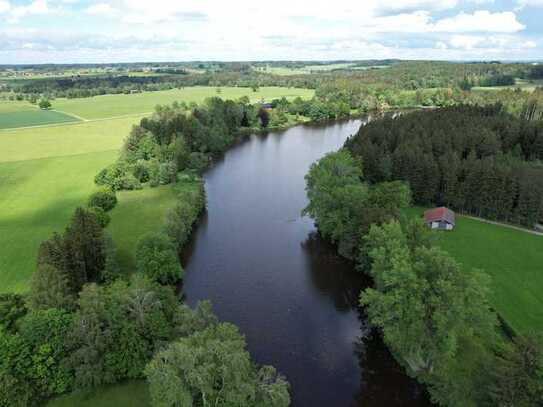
(49, 288)
(180, 219)
(474, 159)
(518, 372)
(343, 206)
(212, 367)
(79, 253)
(105, 199)
(12, 307)
(156, 258)
(44, 104)
(100, 215)
(429, 311)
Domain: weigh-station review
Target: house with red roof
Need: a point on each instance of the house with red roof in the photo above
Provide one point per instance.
(440, 218)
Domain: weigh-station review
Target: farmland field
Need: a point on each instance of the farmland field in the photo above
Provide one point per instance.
(284, 70)
(36, 117)
(117, 105)
(46, 172)
(514, 261)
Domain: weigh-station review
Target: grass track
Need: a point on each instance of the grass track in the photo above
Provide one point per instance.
(514, 261)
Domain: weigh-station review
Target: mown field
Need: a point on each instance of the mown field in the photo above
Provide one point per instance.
(46, 172)
(284, 70)
(512, 258)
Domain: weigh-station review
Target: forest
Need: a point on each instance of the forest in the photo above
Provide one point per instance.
(477, 160)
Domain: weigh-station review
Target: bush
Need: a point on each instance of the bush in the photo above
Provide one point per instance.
(101, 216)
(49, 289)
(104, 199)
(129, 182)
(167, 172)
(156, 257)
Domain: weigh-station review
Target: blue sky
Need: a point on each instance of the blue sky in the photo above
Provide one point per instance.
(64, 31)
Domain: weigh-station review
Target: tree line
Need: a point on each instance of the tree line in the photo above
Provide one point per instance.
(434, 317)
(478, 160)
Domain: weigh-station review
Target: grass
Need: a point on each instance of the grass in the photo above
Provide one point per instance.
(140, 212)
(27, 118)
(107, 106)
(514, 261)
(524, 84)
(37, 198)
(46, 172)
(285, 71)
(54, 141)
(129, 394)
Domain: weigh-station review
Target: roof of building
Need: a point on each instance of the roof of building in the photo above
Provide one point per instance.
(439, 214)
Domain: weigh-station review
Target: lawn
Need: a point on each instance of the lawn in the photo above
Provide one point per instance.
(36, 117)
(118, 105)
(140, 212)
(514, 261)
(129, 394)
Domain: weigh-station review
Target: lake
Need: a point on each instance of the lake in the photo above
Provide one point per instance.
(266, 270)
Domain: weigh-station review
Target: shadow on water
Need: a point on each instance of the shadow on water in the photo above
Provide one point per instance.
(265, 269)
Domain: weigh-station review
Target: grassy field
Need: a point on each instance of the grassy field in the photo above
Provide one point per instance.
(36, 117)
(117, 105)
(139, 212)
(514, 261)
(46, 172)
(519, 83)
(54, 141)
(286, 71)
(129, 394)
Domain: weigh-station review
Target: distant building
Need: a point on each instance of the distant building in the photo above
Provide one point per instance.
(440, 218)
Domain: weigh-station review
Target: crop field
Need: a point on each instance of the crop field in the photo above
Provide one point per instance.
(514, 261)
(149, 207)
(47, 171)
(36, 117)
(524, 84)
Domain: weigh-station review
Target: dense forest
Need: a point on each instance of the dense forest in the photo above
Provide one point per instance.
(478, 160)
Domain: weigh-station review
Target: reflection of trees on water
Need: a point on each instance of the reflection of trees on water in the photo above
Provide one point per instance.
(343, 285)
(383, 381)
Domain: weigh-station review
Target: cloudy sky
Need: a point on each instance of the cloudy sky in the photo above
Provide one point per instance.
(40, 31)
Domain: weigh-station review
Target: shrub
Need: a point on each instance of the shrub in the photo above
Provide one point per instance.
(49, 289)
(101, 216)
(167, 172)
(129, 182)
(104, 199)
(156, 257)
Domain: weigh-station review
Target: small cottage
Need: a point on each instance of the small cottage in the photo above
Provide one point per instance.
(440, 218)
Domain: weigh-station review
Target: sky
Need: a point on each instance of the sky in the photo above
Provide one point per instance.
(94, 31)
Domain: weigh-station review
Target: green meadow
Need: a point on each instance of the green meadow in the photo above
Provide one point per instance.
(118, 105)
(140, 212)
(28, 118)
(512, 258)
(47, 171)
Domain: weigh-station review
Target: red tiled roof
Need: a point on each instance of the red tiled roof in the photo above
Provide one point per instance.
(439, 214)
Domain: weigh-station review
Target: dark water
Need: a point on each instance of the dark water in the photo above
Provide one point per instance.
(266, 270)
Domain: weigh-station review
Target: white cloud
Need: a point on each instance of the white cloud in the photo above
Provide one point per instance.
(4, 6)
(101, 9)
(36, 7)
(529, 3)
(480, 21)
